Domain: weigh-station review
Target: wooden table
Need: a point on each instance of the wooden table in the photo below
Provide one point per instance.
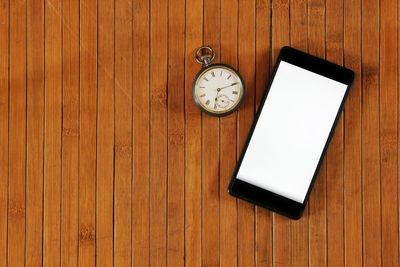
(105, 159)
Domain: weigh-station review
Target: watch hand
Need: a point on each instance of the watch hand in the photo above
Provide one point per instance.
(216, 97)
(228, 85)
(219, 89)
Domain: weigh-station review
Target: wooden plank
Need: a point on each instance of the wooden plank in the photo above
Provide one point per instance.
(388, 122)
(105, 135)
(246, 61)
(263, 223)
(35, 132)
(299, 228)
(88, 129)
(210, 149)
(123, 134)
(158, 133)
(352, 137)
(175, 135)
(4, 126)
(70, 134)
(228, 147)
(317, 201)
(370, 134)
(141, 119)
(17, 135)
(52, 139)
(335, 153)
(193, 138)
(262, 41)
(280, 37)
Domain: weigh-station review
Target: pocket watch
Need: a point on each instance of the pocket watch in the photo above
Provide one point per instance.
(218, 89)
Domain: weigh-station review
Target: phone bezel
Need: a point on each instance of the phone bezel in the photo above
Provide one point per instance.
(268, 199)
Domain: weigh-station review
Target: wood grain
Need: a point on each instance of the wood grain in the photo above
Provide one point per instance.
(140, 191)
(176, 134)
(88, 132)
(388, 121)
(106, 160)
(210, 149)
(105, 135)
(227, 139)
(158, 134)
(4, 127)
(17, 136)
(371, 168)
(52, 134)
(193, 139)
(335, 153)
(123, 146)
(352, 175)
(35, 130)
(70, 134)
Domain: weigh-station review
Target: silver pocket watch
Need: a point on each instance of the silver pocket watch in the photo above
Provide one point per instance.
(218, 89)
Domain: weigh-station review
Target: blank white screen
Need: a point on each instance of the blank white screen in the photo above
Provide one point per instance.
(291, 132)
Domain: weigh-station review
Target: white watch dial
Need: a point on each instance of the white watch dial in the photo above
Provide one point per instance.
(218, 90)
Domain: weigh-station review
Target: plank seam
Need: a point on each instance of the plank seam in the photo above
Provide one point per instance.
(8, 134)
(361, 136)
(379, 124)
(26, 120)
(167, 131)
(44, 130)
(114, 111)
(149, 129)
(79, 129)
(97, 137)
(61, 127)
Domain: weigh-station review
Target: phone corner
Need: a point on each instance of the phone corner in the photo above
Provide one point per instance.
(286, 47)
(297, 216)
(230, 188)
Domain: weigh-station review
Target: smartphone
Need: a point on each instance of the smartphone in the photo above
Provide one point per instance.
(291, 132)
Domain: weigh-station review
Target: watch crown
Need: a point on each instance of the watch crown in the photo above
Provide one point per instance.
(204, 55)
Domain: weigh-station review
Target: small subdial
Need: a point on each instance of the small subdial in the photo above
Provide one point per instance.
(223, 101)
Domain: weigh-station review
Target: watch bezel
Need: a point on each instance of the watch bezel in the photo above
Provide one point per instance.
(196, 100)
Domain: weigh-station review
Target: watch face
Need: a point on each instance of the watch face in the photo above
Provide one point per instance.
(218, 89)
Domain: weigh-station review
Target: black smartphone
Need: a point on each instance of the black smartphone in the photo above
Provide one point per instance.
(291, 132)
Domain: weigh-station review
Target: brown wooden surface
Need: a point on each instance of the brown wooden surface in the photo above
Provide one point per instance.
(105, 159)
